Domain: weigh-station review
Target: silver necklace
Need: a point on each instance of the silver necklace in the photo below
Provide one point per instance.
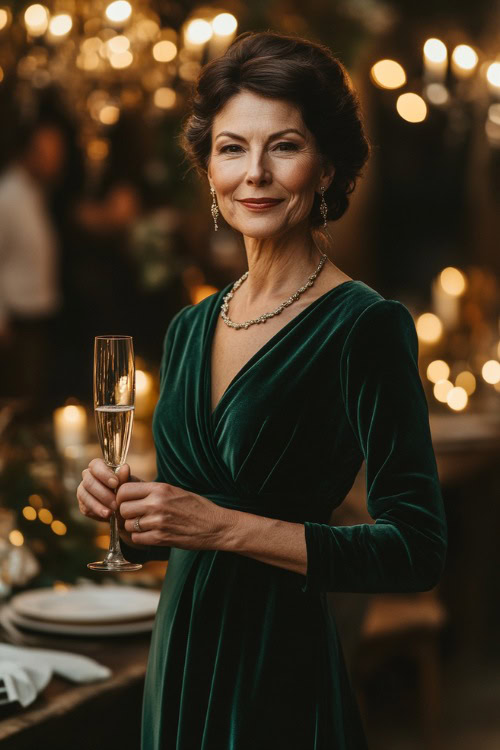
(278, 310)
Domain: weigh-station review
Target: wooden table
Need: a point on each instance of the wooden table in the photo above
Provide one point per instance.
(102, 715)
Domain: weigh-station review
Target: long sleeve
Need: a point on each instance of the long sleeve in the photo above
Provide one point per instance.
(385, 404)
(132, 554)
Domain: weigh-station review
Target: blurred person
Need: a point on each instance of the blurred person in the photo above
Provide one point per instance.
(30, 294)
(273, 392)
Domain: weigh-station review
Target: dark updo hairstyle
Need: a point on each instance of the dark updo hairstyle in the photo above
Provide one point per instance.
(280, 66)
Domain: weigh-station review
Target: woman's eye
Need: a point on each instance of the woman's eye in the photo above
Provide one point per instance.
(225, 148)
(293, 146)
(287, 144)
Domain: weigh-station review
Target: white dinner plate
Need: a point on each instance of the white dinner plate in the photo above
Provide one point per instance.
(87, 605)
(124, 628)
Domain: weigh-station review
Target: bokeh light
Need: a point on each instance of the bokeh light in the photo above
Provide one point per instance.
(435, 50)
(119, 11)
(58, 527)
(457, 399)
(438, 369)
(198, 31)
(224, 24)
(441, 390)
(60, 25)
(164, 51)
(388, 74)
(429, 328)
(493, 74)
(16, 538)
(45, 516)
(29, 513)
(464, 57)
(164, 97)
(411, 107)
(36, 18)
(467, 381)
(452, 281)
(491, 371)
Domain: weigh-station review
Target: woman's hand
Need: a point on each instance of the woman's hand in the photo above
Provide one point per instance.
(172, 517)
(96, 493)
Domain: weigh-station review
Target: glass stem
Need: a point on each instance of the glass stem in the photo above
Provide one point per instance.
(114, 551)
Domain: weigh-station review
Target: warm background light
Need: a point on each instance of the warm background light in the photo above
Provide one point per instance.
(109, 114)
(117, 44)
(435, 50)
(29, 513)
(16, 538)
(121, 60)
(493, 74)
(60, 25)
(453, 281)
(164, 98)
(58, 527)
(164, 51)
(491, 371)
(464, 57)
(198, 31)
(45, 516)
(437, 93)
(467, 381)
(388, 74)
(457, 399)
(438, 370)
(36, 18)
(429, 328)
(119, 11)
(224, 24)
(441, 390)
(4, 17)
(411, 107)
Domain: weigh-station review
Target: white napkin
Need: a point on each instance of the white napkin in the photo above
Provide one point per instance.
(26, 671)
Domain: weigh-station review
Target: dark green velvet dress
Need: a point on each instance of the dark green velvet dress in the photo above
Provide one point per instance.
(246, 655)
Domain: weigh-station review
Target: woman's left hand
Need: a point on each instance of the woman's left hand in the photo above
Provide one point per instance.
(172, 517)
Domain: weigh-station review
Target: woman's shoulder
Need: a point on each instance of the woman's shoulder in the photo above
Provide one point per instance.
(378, 324)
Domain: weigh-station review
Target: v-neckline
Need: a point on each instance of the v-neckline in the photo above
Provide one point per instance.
(258, 354)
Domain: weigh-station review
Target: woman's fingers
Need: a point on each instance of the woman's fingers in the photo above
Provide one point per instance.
(101, 471)
(97, 489)
(89, 506)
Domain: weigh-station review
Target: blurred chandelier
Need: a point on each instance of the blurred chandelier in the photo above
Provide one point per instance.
(466, 79)
(109, 56)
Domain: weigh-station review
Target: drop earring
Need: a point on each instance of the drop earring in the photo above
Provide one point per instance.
(323, 207)
(214, 208)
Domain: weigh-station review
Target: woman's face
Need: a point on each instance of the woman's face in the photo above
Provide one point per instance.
(262, 149)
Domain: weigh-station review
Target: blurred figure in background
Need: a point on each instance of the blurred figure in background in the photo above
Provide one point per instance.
(30, 295)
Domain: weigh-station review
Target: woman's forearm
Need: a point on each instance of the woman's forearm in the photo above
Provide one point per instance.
(268, 540)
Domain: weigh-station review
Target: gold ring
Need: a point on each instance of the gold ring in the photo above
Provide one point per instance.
(137, 524)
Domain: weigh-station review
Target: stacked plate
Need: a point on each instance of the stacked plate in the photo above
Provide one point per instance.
(85, 610)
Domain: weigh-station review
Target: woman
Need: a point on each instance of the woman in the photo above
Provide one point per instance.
(260, 430)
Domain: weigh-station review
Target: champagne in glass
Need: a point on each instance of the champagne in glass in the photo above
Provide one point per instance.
(114, 393)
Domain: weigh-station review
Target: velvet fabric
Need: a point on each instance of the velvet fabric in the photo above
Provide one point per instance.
(246, 655)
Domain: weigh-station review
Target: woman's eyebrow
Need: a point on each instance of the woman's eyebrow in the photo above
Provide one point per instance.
(274, 135)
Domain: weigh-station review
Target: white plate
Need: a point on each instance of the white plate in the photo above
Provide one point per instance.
(82, 605)
(124, 628)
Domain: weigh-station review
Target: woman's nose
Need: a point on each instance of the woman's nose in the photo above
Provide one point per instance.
(257, 170)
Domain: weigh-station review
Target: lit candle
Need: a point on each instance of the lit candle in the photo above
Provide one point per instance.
(70, 426)
(446, 306)
(435, 60)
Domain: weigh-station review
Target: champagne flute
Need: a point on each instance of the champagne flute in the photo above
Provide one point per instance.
(114, 392)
